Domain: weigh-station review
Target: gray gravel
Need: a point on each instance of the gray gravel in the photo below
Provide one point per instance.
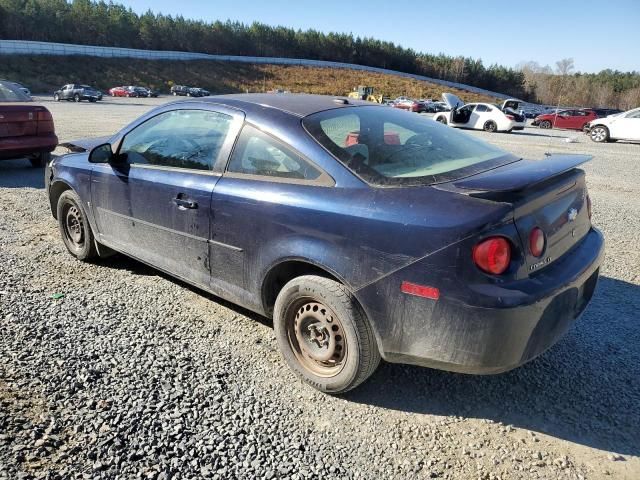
(132, 374)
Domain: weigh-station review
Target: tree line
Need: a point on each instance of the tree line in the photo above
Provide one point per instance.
(114, 25)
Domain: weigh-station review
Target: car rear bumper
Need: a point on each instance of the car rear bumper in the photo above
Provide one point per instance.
(481, 340)
(12, 147)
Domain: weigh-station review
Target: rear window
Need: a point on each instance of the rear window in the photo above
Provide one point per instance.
(10, 92)
(390, 147)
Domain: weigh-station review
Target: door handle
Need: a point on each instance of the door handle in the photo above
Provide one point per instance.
(183, 202)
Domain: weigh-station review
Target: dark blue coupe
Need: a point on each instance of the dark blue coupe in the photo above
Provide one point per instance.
(363, 231)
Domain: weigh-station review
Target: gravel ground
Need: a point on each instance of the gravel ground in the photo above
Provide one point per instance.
(131, 374)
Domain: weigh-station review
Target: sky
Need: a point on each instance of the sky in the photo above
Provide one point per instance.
(596, 34)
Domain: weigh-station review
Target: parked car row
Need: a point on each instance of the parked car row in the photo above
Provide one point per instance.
(185, 91)
(418, 106)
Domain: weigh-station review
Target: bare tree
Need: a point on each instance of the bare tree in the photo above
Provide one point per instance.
(564, 66)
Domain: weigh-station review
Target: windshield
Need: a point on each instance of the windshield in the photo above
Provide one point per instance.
(390, 147)
(10, 92)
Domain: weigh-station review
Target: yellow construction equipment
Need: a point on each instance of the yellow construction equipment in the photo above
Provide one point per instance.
(366, 93)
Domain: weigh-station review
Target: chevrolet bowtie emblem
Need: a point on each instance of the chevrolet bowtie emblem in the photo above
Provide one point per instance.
(572, 214)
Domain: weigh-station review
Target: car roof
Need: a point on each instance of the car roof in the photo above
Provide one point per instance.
(298, 104)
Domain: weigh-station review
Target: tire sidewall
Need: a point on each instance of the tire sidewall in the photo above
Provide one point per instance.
(69, 197)
(289, 295)
(545, 124)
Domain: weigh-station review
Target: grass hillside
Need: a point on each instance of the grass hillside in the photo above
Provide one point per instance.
(48, 73)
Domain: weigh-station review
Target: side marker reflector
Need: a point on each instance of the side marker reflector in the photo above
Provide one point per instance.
(420, 290)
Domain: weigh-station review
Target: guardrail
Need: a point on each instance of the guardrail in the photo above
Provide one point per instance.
(26, 47)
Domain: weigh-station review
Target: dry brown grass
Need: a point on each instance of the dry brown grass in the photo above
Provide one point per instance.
(45, 74)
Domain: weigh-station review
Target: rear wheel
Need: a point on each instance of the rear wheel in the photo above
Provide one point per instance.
(442, 120)
(39, 160)
(599, 134)
(76, 98)
(323, 334)
(545, 124)
(74, 227)
(490, 126)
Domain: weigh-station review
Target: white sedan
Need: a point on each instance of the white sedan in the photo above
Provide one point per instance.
(481, 116)
(621, 126)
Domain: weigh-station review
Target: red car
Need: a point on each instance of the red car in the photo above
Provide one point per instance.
(26, 128)
(411, 106)
(123, 92)
(570, 119)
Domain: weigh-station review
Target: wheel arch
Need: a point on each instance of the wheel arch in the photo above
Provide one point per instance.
(55, 190)
(285, 270)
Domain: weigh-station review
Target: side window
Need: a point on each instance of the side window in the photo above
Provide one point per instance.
(179, 138)
(258, 154)
(481, 108)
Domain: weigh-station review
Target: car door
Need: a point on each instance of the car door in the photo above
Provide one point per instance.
(65, 93)
(627, 126)
(563, 119)
(264, 182)
(155, 202)
(481, 113)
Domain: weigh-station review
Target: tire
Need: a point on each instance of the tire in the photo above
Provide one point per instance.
(599, 134)
(74, 227)
(490, 126)
(442, 120)
(546, 124)
(76, 98)
(174, 94)
(40, 160)
(343, 352)
(93, 100)
(56, 97)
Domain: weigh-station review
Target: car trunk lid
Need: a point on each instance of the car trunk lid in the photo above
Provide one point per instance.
(550, 194)
(18, 119)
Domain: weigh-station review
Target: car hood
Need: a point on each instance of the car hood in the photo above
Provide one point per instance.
(452, 101)
(85, 144)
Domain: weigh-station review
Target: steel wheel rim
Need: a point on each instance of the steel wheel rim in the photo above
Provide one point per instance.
(316, 337)
(74, 226)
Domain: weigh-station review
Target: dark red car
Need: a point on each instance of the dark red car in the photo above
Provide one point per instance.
(26, 128)
(570, 119)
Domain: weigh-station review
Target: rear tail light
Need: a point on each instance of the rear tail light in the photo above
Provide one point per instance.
(589, 206)
(511, 117)
(492, 255)
(45, 122)
(537, 241)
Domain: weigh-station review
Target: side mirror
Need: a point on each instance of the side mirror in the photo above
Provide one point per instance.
(101, 154)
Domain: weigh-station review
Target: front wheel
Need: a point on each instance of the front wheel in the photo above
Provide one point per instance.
(323, 334)
(56, 98)
(442, 120)
(546, 124)
(74, 227)
(599, 134)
